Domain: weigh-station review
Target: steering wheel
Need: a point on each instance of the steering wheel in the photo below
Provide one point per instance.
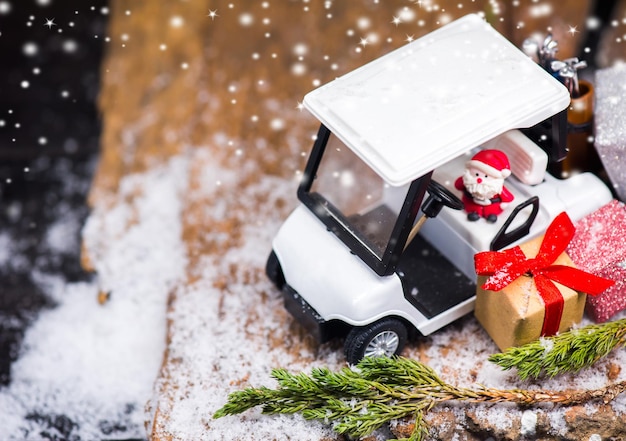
(438, 197)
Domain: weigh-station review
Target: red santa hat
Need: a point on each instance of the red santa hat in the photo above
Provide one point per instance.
(493, 163)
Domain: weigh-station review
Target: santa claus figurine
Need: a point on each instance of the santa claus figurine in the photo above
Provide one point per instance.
(484, 193)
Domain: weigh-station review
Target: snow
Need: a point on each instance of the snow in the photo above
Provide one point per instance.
(557, 421)
(225, 331)
(229, 329)
(86, 370)
(5, 250)
(529, 423)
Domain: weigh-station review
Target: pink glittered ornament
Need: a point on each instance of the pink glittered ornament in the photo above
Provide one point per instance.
(599, 247)
(609, 127)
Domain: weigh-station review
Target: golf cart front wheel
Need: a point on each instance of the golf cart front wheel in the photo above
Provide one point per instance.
(383, 338)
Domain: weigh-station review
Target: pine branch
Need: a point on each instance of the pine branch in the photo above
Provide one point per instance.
(359, 400)
(567, 352)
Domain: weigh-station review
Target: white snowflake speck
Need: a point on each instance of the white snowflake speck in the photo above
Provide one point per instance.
(364, 23)
(277, 124)
(70, 46)
(373, 37)
(176, 21)
(298, 69)
(300, 49)
(406, 14)
(30, 49)
(542, 10)
(246, 19)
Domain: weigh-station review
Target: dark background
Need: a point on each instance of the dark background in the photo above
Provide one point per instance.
(49, 134)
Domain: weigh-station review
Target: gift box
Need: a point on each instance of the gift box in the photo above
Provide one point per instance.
(609, 127)
(515, 315)
(599, 247)
(534, 289)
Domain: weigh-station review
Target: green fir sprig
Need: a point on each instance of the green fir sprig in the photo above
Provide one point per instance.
(567, 352)
(361, 399)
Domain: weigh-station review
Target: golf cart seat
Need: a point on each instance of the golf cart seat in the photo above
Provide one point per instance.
(459, 239)
(528, 160)
(528, 169)
(528, 165)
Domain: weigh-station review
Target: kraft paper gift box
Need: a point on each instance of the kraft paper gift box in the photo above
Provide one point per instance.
(515, 315)
(599, 247)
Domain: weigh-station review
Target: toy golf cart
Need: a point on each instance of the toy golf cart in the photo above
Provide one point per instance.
(370, 255)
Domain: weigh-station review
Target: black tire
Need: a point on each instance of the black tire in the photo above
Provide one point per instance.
(383, 338)
(274, 271)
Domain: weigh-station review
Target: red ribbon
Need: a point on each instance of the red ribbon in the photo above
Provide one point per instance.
(504, 267)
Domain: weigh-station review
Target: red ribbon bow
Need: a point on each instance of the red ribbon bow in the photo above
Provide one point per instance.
(504, 267)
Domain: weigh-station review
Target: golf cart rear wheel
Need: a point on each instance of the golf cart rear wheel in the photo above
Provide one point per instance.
(274, 271)
(383, 338)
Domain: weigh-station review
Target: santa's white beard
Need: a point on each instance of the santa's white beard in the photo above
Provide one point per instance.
(483, 191)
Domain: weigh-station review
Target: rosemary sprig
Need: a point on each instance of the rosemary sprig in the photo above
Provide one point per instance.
(567, 352)
(359, 400)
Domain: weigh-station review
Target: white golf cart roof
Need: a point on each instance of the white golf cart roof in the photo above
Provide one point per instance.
(431, 100)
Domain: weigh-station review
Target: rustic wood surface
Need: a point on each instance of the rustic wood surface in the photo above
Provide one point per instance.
(176, 78)
(152, 107)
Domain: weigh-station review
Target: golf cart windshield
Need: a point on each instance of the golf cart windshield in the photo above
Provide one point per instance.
(354, 202)
(358, 195)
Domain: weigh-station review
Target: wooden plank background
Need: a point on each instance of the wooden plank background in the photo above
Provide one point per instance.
(216, 75)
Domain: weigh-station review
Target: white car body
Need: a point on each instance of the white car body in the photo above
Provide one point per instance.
(339, 286)
(422, 108)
